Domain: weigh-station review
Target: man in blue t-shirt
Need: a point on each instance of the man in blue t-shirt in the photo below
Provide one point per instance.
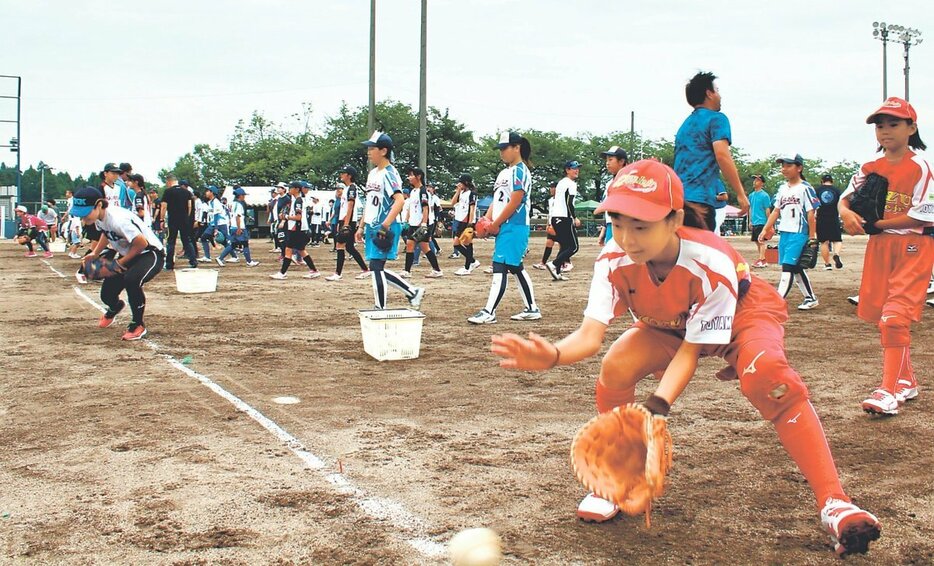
(760, 206)
(702, 150)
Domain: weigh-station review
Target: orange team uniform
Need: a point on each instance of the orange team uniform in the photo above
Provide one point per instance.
(711, 298)
(898, 263)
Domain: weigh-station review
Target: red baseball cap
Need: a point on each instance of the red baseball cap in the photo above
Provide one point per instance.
(647, 190)
(894, 106)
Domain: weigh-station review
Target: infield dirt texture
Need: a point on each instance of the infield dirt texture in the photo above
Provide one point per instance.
(109, 453)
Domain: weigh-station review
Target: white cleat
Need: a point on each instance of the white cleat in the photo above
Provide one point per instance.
(416, 299)
(881, 402)
(312, 275)
(333, 277)
(528, 314)
(434, 274)
(593, 509)
(277, 275)
(252, 263)
(850, 528)
(364, 274)
(483, 317)
(808, 304)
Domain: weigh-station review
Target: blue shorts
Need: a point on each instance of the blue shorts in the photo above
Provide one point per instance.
(511, 243)
(372, 251)
(790, 246)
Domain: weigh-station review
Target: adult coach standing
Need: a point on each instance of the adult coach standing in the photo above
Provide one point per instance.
(702, 150)
(829, 233)
(564, 221)
(176, 209)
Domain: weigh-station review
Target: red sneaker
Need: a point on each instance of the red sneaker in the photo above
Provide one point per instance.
(134, 332)
(47, 255)
(31, 254)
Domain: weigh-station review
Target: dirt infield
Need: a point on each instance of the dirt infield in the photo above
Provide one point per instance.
(110, 454)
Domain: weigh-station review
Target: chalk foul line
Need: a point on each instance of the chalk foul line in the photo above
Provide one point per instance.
(382, 509)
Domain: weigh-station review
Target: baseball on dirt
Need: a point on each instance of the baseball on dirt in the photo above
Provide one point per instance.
(476, 547)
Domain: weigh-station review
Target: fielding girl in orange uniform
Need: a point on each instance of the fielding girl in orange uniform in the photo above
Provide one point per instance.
(898, 260)
(693, 296)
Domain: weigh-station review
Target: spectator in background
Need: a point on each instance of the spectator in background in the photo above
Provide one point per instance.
(155, 205)
(829, 233)
(702, 150)
(177, 210)
(760, 206)
(50, 216)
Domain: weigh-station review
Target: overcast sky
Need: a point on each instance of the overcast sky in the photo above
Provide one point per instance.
(145, 81)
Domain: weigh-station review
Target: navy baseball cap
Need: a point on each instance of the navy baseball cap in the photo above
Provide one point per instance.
(184, 182)
(112, 168)
(827, 177)
(350, 170)
(83, 201)
(787, 158)
(239, 192)
(465, 178)
(573, 164)
(615, 151)
(379, 139)
(760, 177)
(507, 139)
(295, 185)
(211, 188)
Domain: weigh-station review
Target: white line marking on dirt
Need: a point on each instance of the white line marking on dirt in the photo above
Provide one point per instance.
(57, 272)
(387, 510)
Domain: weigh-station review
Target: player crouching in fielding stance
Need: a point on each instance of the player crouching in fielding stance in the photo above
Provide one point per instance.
(693, 296)
(899, 255)
(136, 257)
(380, 228)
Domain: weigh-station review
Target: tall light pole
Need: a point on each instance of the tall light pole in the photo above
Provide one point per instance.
(880, 31)
(43, 167)
(908, 37)
(14, 143)
(371, 117)
(422, 94)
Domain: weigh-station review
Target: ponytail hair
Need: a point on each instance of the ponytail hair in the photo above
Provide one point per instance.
(914, 141)
(525, 151)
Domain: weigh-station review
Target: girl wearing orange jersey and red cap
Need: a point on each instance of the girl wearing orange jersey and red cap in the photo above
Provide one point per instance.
(899, 255)
(692, 295)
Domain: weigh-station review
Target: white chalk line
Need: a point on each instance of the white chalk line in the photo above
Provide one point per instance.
(379, 508)
(57, 272)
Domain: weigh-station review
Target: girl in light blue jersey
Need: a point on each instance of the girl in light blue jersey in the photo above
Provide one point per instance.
(509, 214)
(380, 228)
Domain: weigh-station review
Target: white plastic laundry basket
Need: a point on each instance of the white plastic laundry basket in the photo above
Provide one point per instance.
(391, 334)
(196, 280)
(58, 246)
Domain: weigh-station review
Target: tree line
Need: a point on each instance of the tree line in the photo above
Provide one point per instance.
(263, 152)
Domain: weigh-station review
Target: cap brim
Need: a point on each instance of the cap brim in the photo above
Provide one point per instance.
(635, 207)
(502, 145)
(881, 112)
(81, 211)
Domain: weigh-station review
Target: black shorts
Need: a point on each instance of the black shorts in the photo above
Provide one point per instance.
(91, 232)
(756, 230)
(297, 240)
(829, 232)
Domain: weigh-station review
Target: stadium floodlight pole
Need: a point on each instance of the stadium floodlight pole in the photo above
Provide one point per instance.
(908, 37)
(880, 31)
(371, 117)
(14, 143)
(422, 94)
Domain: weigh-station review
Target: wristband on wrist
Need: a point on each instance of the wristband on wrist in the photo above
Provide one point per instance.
(656, 405)
(557, 357)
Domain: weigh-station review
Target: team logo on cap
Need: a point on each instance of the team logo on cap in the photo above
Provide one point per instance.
(891, 103)
(504, 137)
(635, 182)
(375, 137)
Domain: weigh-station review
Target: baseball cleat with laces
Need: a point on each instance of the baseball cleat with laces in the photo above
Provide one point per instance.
(851, 529)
